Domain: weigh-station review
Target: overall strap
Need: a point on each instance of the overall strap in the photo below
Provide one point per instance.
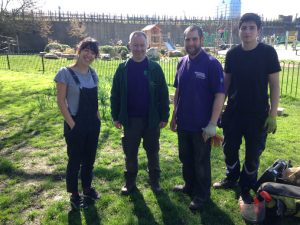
(74, 77)
(93, 75)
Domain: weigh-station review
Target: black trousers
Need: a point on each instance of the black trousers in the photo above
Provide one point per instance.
(251, 128)
(82, 142)
(194, 154)
(133, 134)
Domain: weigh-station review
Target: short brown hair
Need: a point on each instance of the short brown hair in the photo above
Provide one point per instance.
(193, 28)
(89, 43)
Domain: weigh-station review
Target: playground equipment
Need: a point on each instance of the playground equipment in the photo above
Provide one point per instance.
(169, 46)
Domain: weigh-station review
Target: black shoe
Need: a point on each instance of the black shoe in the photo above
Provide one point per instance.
(91, 194)
(183, 188)
(196, 204)
(76, 202)
(128, 189)
(225, 184)
(246, 197)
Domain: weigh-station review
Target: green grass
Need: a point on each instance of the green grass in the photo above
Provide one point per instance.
(33, 161)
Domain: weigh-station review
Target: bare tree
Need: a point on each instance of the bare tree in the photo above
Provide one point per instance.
(77, 29)
(17, 6)
(45, 29)
(9, 10)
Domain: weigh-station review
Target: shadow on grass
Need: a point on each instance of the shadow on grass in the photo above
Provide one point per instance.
(141, 210)
(74, 218)
(104, 136)
(211, 214)
(91, 215)
(8, 168)
(170, 214)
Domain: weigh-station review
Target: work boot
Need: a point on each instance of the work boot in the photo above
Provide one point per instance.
(91, 193)
(183, 188)
(76, 202)
(246, 197)
(130, 184)
(225, 184)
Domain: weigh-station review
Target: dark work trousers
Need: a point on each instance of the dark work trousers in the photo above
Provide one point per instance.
(194, 154)
(136, 130)
(251, 128)
(82, 140)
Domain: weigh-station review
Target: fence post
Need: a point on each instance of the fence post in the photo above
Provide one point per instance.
(43, 64)
(8, 64)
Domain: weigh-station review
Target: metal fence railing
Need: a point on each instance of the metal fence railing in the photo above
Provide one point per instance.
(289, 76)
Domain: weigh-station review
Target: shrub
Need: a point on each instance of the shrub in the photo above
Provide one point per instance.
(163, 51)
(107, 49)
(153, 54)
(64, 47)
(69, 51)
(115, 51)
(176, 53)
(53, 46)
(122, 51)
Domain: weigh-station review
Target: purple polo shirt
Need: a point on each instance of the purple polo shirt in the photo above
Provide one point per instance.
(138, 96)
(197, 81)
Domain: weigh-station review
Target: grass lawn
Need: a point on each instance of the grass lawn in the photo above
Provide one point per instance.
(33, 162)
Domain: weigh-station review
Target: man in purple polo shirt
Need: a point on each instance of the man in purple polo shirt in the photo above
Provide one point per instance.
(198, 102)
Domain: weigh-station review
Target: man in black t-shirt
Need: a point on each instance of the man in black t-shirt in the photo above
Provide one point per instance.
(249, 69)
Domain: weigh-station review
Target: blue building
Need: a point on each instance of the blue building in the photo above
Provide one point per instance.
(229, 9)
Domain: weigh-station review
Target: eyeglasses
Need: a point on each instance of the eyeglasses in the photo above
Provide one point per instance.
(193, 39)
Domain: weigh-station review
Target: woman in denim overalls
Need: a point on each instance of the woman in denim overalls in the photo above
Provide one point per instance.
(77, 98)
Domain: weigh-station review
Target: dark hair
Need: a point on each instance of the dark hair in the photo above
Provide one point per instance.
(193, 28)
(247, 17)
(89, 43)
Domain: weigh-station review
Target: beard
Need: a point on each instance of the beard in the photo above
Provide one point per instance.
(193, 51)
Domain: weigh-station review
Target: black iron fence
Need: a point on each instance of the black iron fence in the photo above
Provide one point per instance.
(289, 76)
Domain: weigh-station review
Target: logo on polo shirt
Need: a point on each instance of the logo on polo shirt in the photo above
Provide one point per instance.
(200, 75)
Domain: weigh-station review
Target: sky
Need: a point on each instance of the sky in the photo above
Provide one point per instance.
(198, 8)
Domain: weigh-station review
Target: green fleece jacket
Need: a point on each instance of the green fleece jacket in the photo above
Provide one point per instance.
(159, 95)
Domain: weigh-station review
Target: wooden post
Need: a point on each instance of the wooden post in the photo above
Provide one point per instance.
(43, 64)
(8, 64)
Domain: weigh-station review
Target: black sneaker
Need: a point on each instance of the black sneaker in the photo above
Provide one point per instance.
(183, 188)
(246, 197)
(76, 202)
(225, 184)
(91, 194)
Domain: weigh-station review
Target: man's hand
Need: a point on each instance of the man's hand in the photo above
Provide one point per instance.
(118, 125)
(162, 124)
(271, 124)
(173, 124)
(209, 131)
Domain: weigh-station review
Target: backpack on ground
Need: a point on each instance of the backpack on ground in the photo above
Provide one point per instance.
(279, 189)
(274, 173)
(284, 201)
